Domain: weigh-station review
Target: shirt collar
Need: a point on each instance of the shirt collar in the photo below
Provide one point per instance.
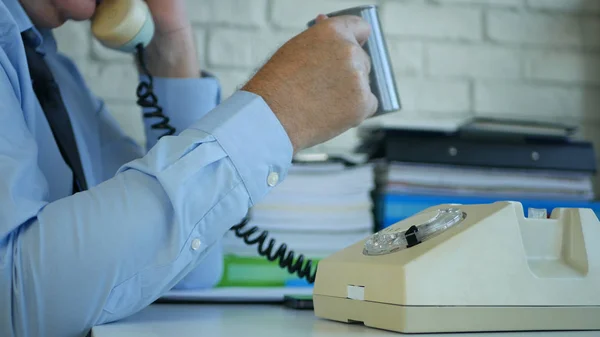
(32, 35)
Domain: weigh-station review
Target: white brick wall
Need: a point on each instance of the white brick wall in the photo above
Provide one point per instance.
(524, 58)
(476, 61)
(426, 21)
(580, 6)
(520, 27)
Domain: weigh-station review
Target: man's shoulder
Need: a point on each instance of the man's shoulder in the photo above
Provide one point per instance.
(10, 35)
(12, 55)
(9, 27)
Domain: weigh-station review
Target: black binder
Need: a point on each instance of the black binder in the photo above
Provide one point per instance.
(464, 149)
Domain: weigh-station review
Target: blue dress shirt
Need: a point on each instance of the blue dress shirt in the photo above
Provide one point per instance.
(69, 262)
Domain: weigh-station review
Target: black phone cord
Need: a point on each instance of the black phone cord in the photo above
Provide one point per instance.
(147, 98)
(285, 258)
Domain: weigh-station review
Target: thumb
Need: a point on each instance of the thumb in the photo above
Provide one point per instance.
(354, 28)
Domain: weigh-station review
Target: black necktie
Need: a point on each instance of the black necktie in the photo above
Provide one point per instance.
(48, 93)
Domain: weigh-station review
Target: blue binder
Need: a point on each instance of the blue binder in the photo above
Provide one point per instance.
(392, 208)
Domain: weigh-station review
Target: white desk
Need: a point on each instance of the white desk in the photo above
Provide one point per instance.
(233, 320)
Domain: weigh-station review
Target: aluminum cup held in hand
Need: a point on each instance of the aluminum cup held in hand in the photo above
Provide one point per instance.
(382, 81)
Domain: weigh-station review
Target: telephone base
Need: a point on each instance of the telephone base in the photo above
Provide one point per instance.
(445, 319)
(467, 268)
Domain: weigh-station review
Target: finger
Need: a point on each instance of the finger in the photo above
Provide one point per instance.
(354, 28)
(365, 61)
(371, 103)
(361, 61)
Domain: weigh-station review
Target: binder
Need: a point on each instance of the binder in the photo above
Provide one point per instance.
(392, 208)
(465, 149)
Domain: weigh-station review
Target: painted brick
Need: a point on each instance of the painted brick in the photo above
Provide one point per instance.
(113, 81)
(237, 48)
(129, 117)
(477, 61)
(235, 12)
(542, 102)
(563, 66)
(406, 57)
(538, 28)
(73, 39)
(590, 28)
(499, 3)
(448, 96)
(587, 6)
(230, 80)
(296, 14)
(442, 22)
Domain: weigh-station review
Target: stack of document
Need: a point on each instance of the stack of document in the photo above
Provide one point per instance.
(479, 161)
(408, 188)
(418, 178)
(319, 209)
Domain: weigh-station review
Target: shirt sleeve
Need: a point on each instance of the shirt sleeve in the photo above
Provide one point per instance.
(106, 253)
(183, 100)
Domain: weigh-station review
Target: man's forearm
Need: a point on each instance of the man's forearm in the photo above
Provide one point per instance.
(173, 54)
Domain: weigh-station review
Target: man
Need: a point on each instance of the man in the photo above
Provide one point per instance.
(69, 261)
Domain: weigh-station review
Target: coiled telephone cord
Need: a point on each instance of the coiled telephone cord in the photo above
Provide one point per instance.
(285, 258)
(147, 98)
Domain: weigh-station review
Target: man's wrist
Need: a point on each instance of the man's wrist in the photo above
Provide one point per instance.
(173, 54)
(253, 138)
(289, 124)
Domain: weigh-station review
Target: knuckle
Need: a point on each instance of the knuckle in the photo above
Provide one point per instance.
(357, 78)
(347, 52)
(328, 28)
(366, 60)
(359, 58)
(355, 51)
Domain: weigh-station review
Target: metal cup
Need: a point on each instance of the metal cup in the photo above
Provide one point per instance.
(382, 81)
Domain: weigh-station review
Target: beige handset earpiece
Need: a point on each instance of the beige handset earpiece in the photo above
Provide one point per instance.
(123, 24)
(127, 25)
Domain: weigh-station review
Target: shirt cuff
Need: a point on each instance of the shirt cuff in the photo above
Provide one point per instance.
(183, 100)
(253, 138)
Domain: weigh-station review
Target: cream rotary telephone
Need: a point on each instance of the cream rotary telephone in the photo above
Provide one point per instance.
(469, 268)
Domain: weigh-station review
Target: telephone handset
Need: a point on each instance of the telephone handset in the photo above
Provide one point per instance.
(127, 26)
(123, 24)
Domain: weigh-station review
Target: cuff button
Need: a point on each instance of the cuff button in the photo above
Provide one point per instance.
(195, 244)
(273, 179)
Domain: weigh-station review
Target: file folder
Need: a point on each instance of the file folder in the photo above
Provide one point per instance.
(394, 145)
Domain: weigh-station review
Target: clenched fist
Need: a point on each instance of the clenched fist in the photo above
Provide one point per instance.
(317, 84)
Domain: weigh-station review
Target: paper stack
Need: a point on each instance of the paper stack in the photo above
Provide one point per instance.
(319, 209)
(540, 165)
(414, 178)
(407, 188)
